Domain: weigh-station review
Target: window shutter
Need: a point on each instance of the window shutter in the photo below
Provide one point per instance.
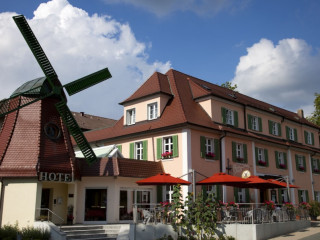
(279, 129)
(219, 192)
(235, 115)
(299, 195)
(277, 159)
(175, 146)
(304, 164)
(249, 121)
(159, 148)
(235, 193)
(245, 153)
(159, 193)
(234, 153)
(312, 166)
(216, 149)
(260, 124)
(119, 148)
(270, 126)
(247, 192)
(297, 162)
(307, 195)
(295, 135)
(312, 138)
(285, 159)
(256, 152)
(306, 137)
(266, 157)
(131, 153)
(224, 115)
(204, 192)
(202, 146)
(145, 150)
(280, 196)
(287, 132)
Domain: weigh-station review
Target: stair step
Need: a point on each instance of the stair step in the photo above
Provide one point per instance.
(91, 236)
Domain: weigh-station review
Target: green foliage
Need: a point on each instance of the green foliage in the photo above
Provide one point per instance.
(229, 86)
(9, 232)
(315, 116)
(314, 210)
(177, 212)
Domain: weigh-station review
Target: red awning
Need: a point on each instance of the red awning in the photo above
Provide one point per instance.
(283, 184)
(162, 179)
(223, 179)
(257, 182)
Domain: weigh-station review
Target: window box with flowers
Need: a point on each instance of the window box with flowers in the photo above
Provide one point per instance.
(301, 168)
(166, 155)
(262, 163)
(210, 155)
(282, 166)
(231, 205)
(240, 159)
(304, 205)
(316, 170)
(269, 205)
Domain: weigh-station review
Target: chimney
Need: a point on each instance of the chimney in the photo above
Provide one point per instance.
(300, 113)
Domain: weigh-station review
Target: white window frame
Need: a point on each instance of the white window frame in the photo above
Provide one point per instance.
(212, 189)
(168, 193)
(309, 138)
(315, 164)
(284, 195)
(303, 196)
(241, 195)
(230, 117)
(131, 116)
(152, 111)
(255, 123)
(209, 145)
(317, 196)
(239, 150)
(138, 150)
(291, 134)
(261, 156)
(275, 129)
(167, 143)
(281, 158)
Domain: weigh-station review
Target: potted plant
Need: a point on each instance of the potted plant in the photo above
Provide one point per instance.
(314, 210)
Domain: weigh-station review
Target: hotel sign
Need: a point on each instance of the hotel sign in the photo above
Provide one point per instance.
(55, 177)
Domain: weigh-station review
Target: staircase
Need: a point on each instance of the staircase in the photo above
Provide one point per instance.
(91, 232)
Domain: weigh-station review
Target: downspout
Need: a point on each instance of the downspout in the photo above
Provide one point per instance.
(245, 117)
(1, 201)
(220, 141)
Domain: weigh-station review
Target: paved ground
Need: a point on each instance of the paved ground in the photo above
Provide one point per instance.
(311, 233)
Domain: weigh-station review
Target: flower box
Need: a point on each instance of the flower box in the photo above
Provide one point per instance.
(281, 165)
(316, 170)
(301, 168)
(166, 155)
(240, 159)
(262, 163)
(210, 155)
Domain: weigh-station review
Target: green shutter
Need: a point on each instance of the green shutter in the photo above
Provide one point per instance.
(277, 159)
(270, 126)
(234, 152)
(235, 115)
(131, 153)
(245, 153)
(260, 124)
(145, 150)
(312, 166)
(249, 121)
(279, 129)
(266, 157)
(295, 135)
(219, 192)
(285, 160)
(216, 149)
(224, 115)
(247, 192)
(256, 153)
(287, 132)
(306, 137)
(175, 146)
(159, 148)
(279, 196)
(119, 148)
(204, 192)
(235, 194)
(307, 195)
(202, 146)
(159, 193)
(304, 163)
(297, 162)
(312, 138)
(299, 195)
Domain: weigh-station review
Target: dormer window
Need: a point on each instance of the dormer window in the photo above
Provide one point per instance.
(229, 117)
(131, 116)
(152, 111)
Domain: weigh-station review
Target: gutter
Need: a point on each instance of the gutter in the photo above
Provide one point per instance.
(1, 201)
(220, 140)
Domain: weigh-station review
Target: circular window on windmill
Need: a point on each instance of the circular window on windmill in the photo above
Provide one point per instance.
(52, 131)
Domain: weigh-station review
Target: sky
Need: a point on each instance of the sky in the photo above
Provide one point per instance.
(269, 48)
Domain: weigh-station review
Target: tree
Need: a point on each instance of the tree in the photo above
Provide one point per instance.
(315, 116)
(229, 86)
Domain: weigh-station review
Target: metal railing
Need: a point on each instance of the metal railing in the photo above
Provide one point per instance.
(244, 213)
(45, 214)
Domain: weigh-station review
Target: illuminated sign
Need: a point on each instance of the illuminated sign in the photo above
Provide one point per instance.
(55, 177)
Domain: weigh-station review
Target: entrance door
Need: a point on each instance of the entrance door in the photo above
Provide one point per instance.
(125, 207)
(96, 205)
(45, 201)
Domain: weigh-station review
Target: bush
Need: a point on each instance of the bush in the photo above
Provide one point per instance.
(9, 232)
(314, 210)
(30, 233)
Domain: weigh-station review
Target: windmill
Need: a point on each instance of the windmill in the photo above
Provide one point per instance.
(48, 86)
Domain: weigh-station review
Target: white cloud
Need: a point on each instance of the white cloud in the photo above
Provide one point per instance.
(77, 45)
(285, 75)
(199, 7)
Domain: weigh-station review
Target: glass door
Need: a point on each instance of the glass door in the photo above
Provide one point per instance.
(96, 205)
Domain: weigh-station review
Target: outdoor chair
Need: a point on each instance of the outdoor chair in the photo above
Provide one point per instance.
(147, 216)
(227, 216)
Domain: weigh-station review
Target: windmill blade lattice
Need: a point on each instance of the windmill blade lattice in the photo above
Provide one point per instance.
(31, 94)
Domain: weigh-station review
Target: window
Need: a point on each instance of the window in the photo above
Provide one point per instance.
(254, 123)
(303, 196)
(212, 191)
(168, 193)
(283, 195)
(152, 111)
(131, 116)
(309, 137)
(291, 133)
(274, 128)
(281, 160)
(167, 147)
(315, 165)
(229, 116)
(139, 150)
(239, 152)
(300, 163)
(317, 196)
(262, 156)
(241, 195)
(209, 148)
(273, 195)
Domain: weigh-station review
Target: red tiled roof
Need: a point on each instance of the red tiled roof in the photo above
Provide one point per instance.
(119, 167)
(90, 122)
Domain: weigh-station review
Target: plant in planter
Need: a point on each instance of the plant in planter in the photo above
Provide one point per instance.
(304, 205)
(269, 205)
(262, 163)
(314, 210)
(210, 155)
(166, 155)
(316, 170)
(282, 165)
(240, 159)
(301, 168)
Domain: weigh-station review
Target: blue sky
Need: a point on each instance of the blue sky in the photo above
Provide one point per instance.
(270, 49)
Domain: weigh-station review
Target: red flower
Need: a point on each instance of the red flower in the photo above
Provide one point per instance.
(166, 154)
